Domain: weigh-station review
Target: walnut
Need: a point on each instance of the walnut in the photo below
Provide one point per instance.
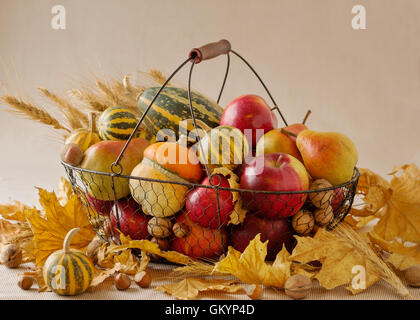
(324, 216)
(298, 286)
(11, 256)
(321, 199)
(159, 227)
(303, 222)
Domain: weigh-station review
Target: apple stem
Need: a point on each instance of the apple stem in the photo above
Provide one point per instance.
(306, 116)
(288, 133)
(278, 160)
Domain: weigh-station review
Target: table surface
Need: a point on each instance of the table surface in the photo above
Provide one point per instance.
(160, 273)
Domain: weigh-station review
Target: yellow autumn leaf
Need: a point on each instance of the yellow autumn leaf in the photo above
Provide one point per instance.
(13, 211)
(338, 257)
(150, 247)
(376, 192)
(239, 213)
(189, 288)
(65, 191)
(51, 226)
(400, 217)
(358, 223)
(250, 266)
(402, 256)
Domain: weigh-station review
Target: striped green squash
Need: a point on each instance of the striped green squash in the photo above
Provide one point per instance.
(117, 123)
(223, 146)
(172, 106)
(68, 272)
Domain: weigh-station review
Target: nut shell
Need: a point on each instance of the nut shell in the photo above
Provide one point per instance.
(298, 286)
(159, 227)
(11, 256)
(412, 276)
(321, 199)
(324, 216)
(25, 282)
(254, 291)
(303, 222)
(143, 279)
(180, 230)
(122, 281)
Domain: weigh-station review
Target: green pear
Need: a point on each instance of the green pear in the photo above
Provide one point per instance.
(100, 156)
(327, 155)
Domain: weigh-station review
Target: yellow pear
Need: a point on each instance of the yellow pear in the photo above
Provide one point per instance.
(327, 155)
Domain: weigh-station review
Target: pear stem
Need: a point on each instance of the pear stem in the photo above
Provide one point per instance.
(306, 116)
(278, 160)
(288, 133)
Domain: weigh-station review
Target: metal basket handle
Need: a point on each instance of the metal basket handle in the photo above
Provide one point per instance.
(196, 55)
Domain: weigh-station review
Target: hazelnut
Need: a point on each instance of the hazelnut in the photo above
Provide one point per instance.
(163, 245)
(72, 154)
(303, 222)
(254, 291)
(11, 256)
(25, 282)
(321, 199)
(122, 281)
(143, 279)
(412, 276)
(298, 286)
(180, 230)
(159, 227)
(324, 216)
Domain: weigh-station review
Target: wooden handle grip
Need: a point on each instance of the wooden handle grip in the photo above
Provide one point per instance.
(210, 50)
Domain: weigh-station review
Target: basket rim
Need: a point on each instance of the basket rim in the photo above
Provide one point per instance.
(353, 180)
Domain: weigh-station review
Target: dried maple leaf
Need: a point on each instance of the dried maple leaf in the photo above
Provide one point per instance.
(338, 257)
(50, 228)
(402, 257)
(239, 213)
(13, 211)
(250, 266)
(150, 247)
(401, 215)
(376, 192)
(189, 288)
(65, 191)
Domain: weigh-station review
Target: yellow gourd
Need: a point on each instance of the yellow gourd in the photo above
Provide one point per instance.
(85, 137)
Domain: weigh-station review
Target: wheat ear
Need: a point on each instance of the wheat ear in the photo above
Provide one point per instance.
(31, 112)
(76, 118)
(382, 269)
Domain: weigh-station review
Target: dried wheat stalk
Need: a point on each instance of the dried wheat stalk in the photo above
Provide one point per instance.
(32, 112)
(383, 270)
(94, 102)
(75, 118)
(158, 76)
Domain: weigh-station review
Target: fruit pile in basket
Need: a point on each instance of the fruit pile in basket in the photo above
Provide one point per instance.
(199, 190)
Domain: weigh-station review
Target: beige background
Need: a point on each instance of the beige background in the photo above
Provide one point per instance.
(363, 83)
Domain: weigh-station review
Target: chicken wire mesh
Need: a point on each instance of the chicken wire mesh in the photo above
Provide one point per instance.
(165, 212)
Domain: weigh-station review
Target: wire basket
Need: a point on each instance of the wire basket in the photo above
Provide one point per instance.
(110, 215)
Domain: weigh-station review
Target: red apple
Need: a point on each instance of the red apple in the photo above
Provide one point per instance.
(200, 242)
(275, 141)
(277, 232)
(201, 203)
(274, 172)
(249, 112)
(337, 199)
(102, 207)
(133, 222)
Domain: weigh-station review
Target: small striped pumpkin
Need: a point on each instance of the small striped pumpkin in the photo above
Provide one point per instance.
(172, 107)
(68, 272)
(117, 123)
(84, 137)
(223, 146)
